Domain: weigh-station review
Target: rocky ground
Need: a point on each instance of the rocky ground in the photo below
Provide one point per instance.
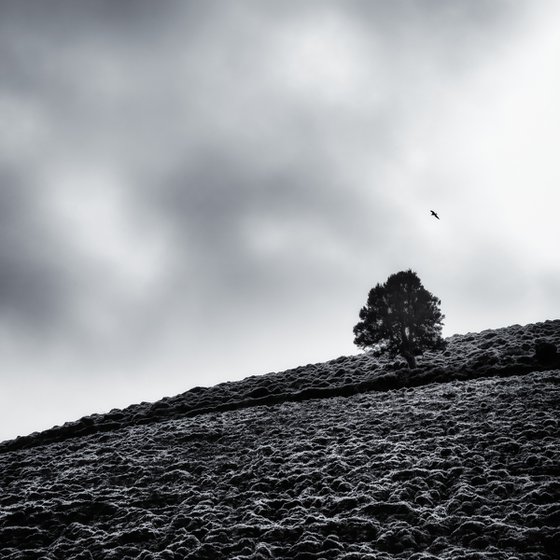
(464, 469)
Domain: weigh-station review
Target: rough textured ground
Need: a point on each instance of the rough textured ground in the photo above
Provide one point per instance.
(461, 470)
(468, 469)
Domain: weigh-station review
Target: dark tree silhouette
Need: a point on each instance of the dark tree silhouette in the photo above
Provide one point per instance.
(400, 317)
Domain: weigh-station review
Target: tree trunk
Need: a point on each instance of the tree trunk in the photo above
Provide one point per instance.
(407, 351)
(410, 360)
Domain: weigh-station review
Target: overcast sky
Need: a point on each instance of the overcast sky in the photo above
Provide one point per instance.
(193, 192)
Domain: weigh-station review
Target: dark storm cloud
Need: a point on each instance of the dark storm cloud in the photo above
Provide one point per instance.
(34, 287)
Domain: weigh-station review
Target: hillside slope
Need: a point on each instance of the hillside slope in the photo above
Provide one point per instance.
(467, 467)
(465, 470)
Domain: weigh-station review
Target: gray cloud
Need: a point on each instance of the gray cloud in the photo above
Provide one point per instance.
(181, 176)
(32, 281)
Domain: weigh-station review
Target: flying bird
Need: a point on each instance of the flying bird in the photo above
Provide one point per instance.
(434, 214)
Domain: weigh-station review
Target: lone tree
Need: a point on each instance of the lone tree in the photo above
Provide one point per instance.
(400, 317)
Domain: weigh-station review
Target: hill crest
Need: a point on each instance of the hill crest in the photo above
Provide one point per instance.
(501, 352)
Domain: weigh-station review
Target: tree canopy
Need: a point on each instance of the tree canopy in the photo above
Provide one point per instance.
(400, 317)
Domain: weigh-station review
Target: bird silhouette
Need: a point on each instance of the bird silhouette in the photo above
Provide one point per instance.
(434, 214)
